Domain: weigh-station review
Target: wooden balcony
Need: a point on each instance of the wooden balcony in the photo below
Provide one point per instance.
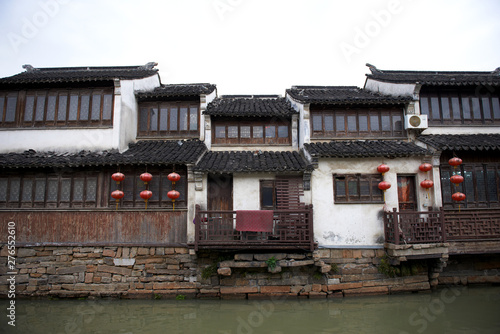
(291, 229)
(463, 232)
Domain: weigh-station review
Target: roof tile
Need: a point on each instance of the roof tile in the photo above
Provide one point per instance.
(178, 90)
(246, 162)
(341, 95)
(475, 142)
(244, 106)
(364, 148)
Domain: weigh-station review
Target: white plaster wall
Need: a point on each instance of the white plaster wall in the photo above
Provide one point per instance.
(389, 88)
(359, 224)
(252, 148)
(465, 130)
(246, 190)
(57, 140)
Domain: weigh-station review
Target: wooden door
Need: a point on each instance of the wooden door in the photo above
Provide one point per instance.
(220, 192)
(406, 193)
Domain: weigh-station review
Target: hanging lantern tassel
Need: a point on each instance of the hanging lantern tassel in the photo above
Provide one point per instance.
(173, 195)
(384, 185)
(173, 177)
(427, 184)
(455, 162)
(425, 167)
(118, 177)
(145, 195)
(117, 195)
(457, 179)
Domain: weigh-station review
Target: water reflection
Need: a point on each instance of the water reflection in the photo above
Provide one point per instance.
(450, 310)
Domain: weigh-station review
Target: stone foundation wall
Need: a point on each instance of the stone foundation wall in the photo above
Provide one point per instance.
(471, 269)
(167, 272)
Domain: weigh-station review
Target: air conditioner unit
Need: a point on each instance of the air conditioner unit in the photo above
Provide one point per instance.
(416, 122)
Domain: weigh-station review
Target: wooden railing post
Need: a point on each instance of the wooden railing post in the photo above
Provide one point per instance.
(396, 225)
(197, 222)
(311, 227)
(443, 226)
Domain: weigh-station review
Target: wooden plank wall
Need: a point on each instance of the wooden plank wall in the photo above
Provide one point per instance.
(96, 227)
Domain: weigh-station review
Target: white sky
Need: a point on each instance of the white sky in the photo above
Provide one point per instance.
(252, 46)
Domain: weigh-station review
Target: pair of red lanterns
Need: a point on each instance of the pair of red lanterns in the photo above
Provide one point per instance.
(146, 194)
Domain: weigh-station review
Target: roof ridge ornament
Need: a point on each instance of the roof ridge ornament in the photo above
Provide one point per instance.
(373, 68)
(496, 71)
(29, 68)
(149, 66)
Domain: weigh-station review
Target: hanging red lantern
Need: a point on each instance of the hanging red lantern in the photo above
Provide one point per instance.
(455, 161)
(426, 184)
(457, 179)
(146, 177)
(145, 195)
(118, 177)
(173, 177)
(173, 195)
(383, 168)
(117, 195)
(458, 196)
(384, 185)
(425, 167)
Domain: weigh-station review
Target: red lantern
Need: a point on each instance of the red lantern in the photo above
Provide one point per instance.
(146, 177)
(145, 195)
(457, 179)
(384, 185)
(383, 168)
(455, 161)
(458, 196)
(118, 177)
(425, 167)
(426, 184)
(173, 195)
(117, 195)
(173, 177)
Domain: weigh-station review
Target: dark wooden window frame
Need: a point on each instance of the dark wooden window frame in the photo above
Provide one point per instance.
(8, 108)
(481, 185)
(267, 184)
(150, 124)
(327, 123)
(467, 106)
(276, 128)
(34, 190)
(375, 195)
(39, 108)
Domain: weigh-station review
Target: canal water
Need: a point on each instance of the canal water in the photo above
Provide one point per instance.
(447, 310)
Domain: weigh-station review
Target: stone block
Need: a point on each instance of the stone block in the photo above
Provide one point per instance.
(345, 286)
(336, 253)
(265, 257)
(173, 285)
(238, 290)
(275, 270)
(317, 295)
(376, 290)
(415, 279)
(133, 252)
(243, 257)
(356, 253)
(108, 252)
(316, 288)
(368, 253)
(333, 281)
(181, 250)
(296, 256)
(245, 264)
(335, 295)
(169, 250)
(300, 263)
(296, 289)
(123, 262)
(62, 251)
(323, 253)
(25, 252)
(71, 270)
(422, 286)
(114, 270)
(89, 277)
(325, 268)
(275, 289)
(160, 251)
(142, 251)
(224, 271)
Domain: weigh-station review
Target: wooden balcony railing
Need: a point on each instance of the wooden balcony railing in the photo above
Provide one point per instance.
(415, 227)
(291, 229)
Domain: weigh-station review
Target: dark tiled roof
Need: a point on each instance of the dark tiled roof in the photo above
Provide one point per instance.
(341, 95)
(153, 152)
(437, 77)
(477, 142)
(246, 162)
(79, 74)
(242, 106)
(178, 90)
(361, 148)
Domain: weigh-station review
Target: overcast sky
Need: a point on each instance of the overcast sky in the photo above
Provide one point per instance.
(252, 46)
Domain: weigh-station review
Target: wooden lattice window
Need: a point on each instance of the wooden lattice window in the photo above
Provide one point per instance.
(283, 193)
(252, 132)
(357, 188)
(168, 119)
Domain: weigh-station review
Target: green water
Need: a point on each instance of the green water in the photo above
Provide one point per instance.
(448, 310)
